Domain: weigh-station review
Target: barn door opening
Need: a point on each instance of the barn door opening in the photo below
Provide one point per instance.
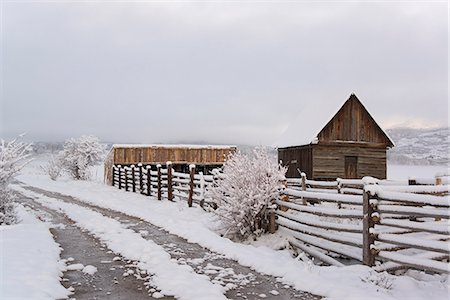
(351, 167)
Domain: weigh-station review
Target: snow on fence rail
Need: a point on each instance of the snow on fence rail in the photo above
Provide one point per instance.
(162, 182)
(437, 185)
(385, 229)
(324, 225)
(423, 239)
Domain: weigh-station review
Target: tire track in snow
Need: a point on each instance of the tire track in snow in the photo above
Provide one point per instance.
(80, 247)
(172, 278)
(239, 281)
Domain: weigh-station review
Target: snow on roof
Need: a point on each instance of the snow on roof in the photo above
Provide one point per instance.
(308, 123)
(174, 146)
(312, 118)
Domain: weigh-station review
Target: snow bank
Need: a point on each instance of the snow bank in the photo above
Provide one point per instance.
(351, 282)
(30, 261)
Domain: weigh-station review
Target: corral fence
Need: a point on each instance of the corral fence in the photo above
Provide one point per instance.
(384, 224)
(162, 181)
(388, 225)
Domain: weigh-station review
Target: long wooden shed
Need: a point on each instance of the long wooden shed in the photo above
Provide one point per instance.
(350, 145)
(205, 157)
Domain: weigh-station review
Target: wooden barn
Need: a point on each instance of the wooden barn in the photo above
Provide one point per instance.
(350, 145)
(205, 157)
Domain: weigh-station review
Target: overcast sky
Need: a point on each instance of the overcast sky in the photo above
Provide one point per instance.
(217, 72)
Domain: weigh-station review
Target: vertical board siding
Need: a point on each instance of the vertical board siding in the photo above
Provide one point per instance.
(154, 154)
(353, 123)
(303, 156)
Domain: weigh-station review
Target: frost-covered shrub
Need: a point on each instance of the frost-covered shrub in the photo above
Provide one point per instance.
(54, 166)
(13, 156)
(247, 185)
(81, 153)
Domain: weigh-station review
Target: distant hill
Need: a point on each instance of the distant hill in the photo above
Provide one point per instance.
(420, 146)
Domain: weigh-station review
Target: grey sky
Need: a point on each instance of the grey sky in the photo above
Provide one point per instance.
(219, 72)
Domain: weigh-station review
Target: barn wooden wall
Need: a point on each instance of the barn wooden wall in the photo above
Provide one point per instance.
(296, 158)
(155, 155)
(353, 123)
(328, 161)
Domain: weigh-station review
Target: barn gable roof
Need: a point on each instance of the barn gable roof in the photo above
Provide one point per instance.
(314, 122)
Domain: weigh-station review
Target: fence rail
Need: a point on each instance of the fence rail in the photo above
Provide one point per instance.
(387, 226)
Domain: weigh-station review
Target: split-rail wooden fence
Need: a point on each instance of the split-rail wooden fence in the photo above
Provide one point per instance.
(384, 224)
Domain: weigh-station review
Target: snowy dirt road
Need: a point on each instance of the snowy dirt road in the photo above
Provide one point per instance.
(81, 250)
(235, 280)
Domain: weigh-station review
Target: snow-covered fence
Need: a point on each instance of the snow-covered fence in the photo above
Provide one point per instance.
(406, 230)
(162, 182)
(384, 228)
(324, 225)
(356, 186)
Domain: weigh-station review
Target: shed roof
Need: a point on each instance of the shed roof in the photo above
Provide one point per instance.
(312, 120)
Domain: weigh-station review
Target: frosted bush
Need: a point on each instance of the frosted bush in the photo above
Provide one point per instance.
(79, 154)
(13, 157)
(54, 167)
(248, 185)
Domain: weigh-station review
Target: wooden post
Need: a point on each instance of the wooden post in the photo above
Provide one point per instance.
(158, 168)
(339, 185)
(169, 181)
(191, 184)
(126, 179)
(368, 236)
(438, 180)
(202, 186)
(120, 177)
(272, 222)
(141, 183)
(412, 181)
(304, 187)
(133, 178)
(149, 180)
(284, 197)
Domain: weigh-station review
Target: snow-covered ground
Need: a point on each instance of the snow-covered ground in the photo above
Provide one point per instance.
(197, 226)
(30, 260)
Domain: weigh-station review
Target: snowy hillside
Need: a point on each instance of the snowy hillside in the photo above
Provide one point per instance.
(419, 146)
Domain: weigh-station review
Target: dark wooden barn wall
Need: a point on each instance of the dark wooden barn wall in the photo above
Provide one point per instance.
(296, 158)
(161, 155)
(329, 161)
(353, 123)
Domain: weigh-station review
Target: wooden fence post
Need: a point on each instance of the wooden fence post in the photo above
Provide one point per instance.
(120, 177)
(149, 180)
(202, 186)
(339, 185)
(141, 183)
(438, 180)
(158, 169)
(304, 187)
(272, 222)
(191, 184)
(169, 181)
(133, 178)
(126, 178)
(368, 236)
